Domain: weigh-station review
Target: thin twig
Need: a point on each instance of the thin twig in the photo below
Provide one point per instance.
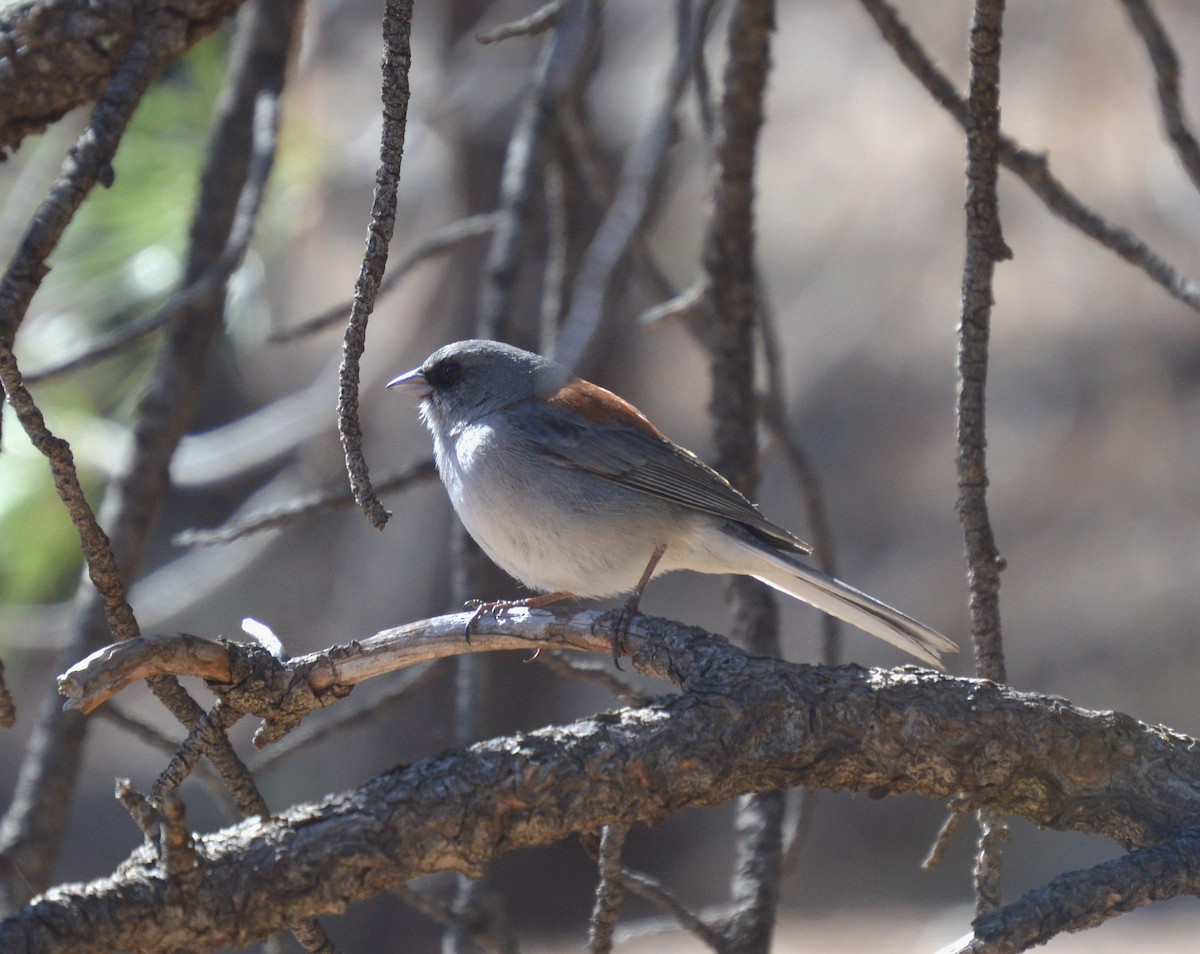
(203, 736)
(438, 242)
(938, 850)
(554, 273)
(985, 247)
(1032, 168)
(773, 408)
(297, 509)
(537, 22)
(599, 673)
(637, 190)
(31, 829)
(397, 58)
(152, 736)
(651, 889)
(1166, 73)
(87, 164)
(565, 64)
(377, 710)
(729, 260)
(610, 891)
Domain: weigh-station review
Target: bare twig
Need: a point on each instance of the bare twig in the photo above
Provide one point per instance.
(537, 22)
(397, 58)
(773, 408)
(729, 261)
(295, 510)
(1032, 168)
(566, 62)
(985, 247)
(144, 815)
(87, 164)
(610, 891)
(179, 858)
(373, 710)
(938, 850)
(640, 182)
(651, 889)
(554, 273)
(1166, 72)
(601, 674)
(1087, 898)
(152, 736)
(438, 242)
(33, 824)
(204, 736)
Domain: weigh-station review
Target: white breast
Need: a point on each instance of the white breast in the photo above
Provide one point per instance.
(552, 528)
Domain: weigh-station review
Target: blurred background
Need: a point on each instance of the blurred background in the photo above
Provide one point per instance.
(1093, 414)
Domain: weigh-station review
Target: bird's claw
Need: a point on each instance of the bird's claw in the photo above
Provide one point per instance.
(620, 628)
(482, 608)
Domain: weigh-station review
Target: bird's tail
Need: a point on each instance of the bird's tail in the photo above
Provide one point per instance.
(855, 607)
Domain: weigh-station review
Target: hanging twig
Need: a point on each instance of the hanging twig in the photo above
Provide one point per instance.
(641, 178)
(537, 22)
(438, 242)
(1032, 168)
(730, 264)
(610, 890)
(1166, 72)
(985, 247)
(397, 58)
(650, 889)
(298, 509)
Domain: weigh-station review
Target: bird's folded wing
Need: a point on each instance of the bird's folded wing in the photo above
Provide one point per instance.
(643, 460)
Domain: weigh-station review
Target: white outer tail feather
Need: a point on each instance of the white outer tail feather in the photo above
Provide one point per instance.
(855, 607)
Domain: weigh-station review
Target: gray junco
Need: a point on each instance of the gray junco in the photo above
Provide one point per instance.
(571, 490)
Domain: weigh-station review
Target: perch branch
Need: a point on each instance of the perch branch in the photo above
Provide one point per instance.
(740, 724)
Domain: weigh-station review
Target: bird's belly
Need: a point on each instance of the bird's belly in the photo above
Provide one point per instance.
(552, 528)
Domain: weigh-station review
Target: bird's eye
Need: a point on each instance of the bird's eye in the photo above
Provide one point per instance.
(444, 373)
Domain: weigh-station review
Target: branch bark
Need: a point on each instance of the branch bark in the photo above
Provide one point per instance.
(59, 54)
(740, 724)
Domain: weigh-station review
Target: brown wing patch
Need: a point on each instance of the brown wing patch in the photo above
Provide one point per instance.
(602, 406)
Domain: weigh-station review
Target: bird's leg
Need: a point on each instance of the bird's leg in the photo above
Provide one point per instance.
(629, 610)
(499, 607)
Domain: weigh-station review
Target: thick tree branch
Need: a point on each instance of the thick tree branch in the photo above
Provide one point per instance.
(56, 55)
(740, 724)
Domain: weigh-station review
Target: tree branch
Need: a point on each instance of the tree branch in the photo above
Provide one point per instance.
(397, 60)
(60, 54)
(1031, 167)
(741, 724)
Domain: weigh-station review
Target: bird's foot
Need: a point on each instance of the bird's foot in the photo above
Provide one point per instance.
(497, 608)
(620, 627)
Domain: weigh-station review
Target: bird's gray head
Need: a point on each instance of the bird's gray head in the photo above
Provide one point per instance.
(461, 382)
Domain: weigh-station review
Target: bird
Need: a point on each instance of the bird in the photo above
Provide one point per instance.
(571, 490)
